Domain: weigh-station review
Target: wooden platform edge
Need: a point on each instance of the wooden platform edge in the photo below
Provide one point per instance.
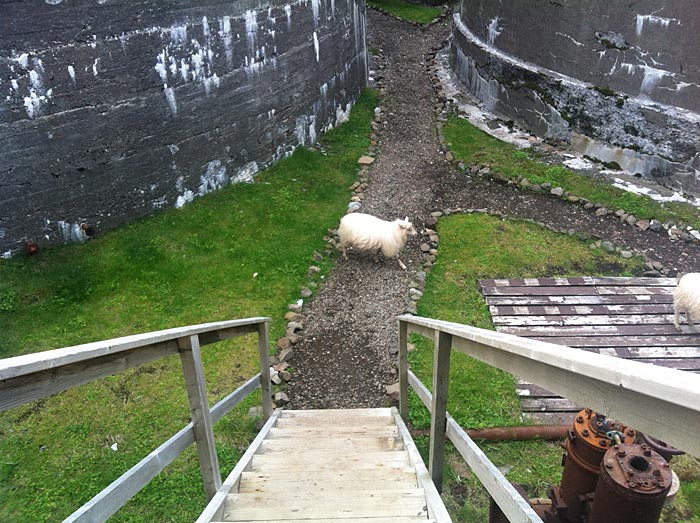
(436, 507)
(216, 505)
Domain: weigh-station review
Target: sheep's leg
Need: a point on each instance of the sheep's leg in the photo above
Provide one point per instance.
(690, 320)
(401, 264)
(676, 319)
(343, 249)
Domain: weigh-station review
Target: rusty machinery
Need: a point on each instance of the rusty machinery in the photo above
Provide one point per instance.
(607, 477)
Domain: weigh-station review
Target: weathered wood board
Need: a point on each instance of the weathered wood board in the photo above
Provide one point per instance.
(630, 318)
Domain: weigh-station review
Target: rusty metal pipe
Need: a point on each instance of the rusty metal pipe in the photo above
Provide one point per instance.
(527, 432)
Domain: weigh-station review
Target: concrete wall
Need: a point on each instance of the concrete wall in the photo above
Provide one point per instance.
(620, 81)
(113, 109)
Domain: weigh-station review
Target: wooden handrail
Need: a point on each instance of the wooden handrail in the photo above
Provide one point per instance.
(663, 403)
(35, 376)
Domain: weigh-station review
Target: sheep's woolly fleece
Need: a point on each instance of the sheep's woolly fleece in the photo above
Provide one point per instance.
(345, 356)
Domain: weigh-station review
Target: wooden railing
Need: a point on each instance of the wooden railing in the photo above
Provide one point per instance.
(35, 376)
(663, 403)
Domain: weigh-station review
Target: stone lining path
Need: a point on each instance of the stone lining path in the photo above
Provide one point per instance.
(345, 356)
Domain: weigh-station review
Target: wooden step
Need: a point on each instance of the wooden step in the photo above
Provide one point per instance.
(350, 444)
(419, 519)
(336, 413)
(327, 461)
(243, 506)
(331, 484)
(399, 476)
(339, 423)
(330, 432)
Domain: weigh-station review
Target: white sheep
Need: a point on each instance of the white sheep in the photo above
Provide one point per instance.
(368, 233)
(686, 298)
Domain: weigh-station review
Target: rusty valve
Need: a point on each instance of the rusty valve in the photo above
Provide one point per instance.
(634, 482)
(592, 435)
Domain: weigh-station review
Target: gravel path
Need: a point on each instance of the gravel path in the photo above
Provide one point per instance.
(346, 355)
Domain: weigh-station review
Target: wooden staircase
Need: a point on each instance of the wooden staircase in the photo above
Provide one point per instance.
(342, 466)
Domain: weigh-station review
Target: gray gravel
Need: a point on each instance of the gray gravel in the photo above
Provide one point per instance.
(344, 358)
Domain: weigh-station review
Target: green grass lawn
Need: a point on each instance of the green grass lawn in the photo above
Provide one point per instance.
(472, 145)
(180, 267)
(474, 247)
(408, 11)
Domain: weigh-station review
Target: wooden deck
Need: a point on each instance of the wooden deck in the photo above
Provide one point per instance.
(630, 318)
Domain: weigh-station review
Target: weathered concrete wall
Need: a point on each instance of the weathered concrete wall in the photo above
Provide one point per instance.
(620, 81)
(112, 109)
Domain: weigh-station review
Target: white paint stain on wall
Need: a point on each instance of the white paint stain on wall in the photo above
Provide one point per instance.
(493, 31)
(71, 73)
(300, 129)
(316, 47)
(652, 19)
(214, 178)
(226, 37)
(652, 78)
(37, 95)
(288, 12)
(170, 97)
(246, 173)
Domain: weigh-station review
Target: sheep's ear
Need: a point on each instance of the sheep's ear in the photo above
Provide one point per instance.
(406, 219)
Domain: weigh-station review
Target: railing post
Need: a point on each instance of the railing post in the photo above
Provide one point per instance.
(403, 370)
(438, 422)
(191, 358)
(265, 388)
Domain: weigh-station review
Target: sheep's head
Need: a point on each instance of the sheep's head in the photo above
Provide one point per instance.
(407, 226)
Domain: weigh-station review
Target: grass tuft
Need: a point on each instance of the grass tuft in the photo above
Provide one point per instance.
(408, 11)
(473, 145)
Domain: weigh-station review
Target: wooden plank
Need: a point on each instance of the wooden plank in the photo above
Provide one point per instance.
(292, 431)
(26, 387)
(390, 483)
(612, 299)
(588, 330)
(215, 507)
(436, 508)
(583, 280)
(639, 353)
(349, 444)
(350, 477)
(403, 369)
(312, 459)
(577, 291)
(30, 363)
(193, 370)
(612, 386)
(620, 341)
(550, 418)
(563, 310)
(583, 320)
(264, 357)
(419, 519)
(438, 421)
(359, 422)
(332, 415)
(548, 404)
(299, 507)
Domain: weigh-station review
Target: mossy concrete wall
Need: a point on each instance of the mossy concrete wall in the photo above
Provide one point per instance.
(113, 109)
(619, 81)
